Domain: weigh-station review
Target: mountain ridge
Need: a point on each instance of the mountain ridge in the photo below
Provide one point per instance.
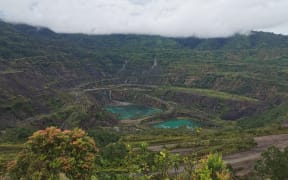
(42, 36)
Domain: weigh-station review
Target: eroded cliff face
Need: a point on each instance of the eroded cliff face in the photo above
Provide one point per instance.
(213, 105)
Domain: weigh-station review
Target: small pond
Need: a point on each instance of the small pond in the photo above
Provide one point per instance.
(132, 111)
(177, 123)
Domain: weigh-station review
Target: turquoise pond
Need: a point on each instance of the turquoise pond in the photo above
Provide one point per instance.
(132, 111)
(177, 123)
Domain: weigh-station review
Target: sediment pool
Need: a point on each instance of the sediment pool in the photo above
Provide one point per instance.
(177, 123)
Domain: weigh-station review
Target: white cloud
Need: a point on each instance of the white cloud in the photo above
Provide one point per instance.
(202, 18)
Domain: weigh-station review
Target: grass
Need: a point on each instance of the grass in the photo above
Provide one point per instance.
(209, 140)
(7, 153)
(10, 71)
(210, 93)
(223, 140)
(273, 115)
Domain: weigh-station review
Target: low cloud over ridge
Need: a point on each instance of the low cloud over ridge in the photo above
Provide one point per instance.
(201, 18)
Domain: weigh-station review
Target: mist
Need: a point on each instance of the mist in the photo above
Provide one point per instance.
(173, 18)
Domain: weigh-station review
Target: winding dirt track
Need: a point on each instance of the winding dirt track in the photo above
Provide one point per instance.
(244, 162)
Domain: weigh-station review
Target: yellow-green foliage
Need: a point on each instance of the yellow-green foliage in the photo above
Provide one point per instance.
(212, 167)
(50, 152)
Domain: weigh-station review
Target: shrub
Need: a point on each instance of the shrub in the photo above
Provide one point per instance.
(212, 167)
(103, 137)
(114, 154)
(273, 165)
(50, 152)
(17, 134)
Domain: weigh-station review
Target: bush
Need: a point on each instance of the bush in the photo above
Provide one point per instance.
(103, 137)
(17, 134)
(273, 165)
(212, 167)
(114, 154)
(51, 152)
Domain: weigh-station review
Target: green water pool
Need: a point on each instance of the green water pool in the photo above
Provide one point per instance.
(177, 123)
(132, 111)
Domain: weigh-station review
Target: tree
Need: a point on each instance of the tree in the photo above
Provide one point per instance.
(103, 137)
(274, 164)
(113, 155)
(51, 152)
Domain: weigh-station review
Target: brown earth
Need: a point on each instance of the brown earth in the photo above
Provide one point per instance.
(244, 162)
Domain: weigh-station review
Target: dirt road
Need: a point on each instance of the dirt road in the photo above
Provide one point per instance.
(244, 162)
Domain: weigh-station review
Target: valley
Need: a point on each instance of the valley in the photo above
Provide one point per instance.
(189, 96)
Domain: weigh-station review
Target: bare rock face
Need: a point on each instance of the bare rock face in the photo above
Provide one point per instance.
(230, 109)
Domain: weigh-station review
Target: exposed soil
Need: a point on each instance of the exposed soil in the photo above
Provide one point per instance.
(244, 162)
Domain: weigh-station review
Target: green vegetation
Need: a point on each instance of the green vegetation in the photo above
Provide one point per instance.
(235, 87)
(125, 156)
(16, 135)
(132, 111)
(212, 167)
(273, 165)
(51, 151)
(55, 69)
(103, 137)
(196, 142)
(274, 115)
(8, 153)
(52, 154)
(210, 93)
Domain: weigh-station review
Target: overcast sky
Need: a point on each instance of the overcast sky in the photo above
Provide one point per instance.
(201, 18)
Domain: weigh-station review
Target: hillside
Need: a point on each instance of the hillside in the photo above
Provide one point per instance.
(230, 90)
(40, 70)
